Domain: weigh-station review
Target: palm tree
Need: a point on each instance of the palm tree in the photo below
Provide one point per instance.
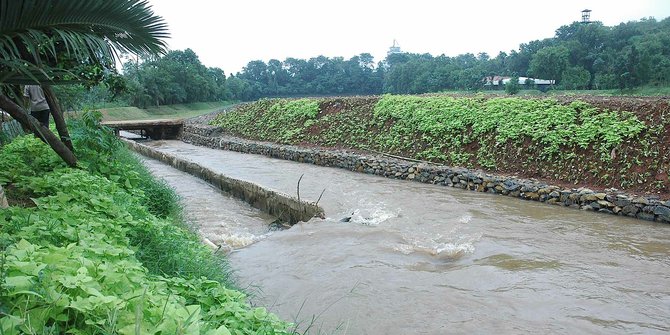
(41, 40)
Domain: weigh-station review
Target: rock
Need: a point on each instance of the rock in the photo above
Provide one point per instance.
(554, 201)
(528, 189)
(532, 196)
(511, 185)
(554, 194)
(411, 176)
(277, 225)
(662, 212)
(600, 196)
(641, 200)
(605, 203)
(630, 209)
(605, 210)
(583, 191)
(648, 209)
(622, 202)
(588, 197)
(411, 170)
(645, 216)
(586, 208)
(345, 219)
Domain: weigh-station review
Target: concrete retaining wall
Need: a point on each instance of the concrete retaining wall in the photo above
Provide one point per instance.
(286, 208)
(609, 201)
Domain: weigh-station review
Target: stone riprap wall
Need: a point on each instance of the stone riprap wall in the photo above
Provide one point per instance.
(611, 202)
(286, 208)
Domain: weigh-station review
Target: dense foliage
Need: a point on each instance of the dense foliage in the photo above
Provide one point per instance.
(579, 56)
(569, 141)
(176, 78)
(82, 253)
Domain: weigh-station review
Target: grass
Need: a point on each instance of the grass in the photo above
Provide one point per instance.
(102, 249)
(161, 112)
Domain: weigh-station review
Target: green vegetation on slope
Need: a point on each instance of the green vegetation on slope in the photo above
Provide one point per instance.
(574, 142)
(84, 251)
(161, 112)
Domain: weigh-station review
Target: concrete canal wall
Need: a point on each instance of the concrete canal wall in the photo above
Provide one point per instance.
(285, 207)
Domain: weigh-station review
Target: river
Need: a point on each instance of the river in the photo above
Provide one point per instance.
(423, 259)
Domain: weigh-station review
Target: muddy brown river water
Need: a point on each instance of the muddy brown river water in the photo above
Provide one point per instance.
(424, 259)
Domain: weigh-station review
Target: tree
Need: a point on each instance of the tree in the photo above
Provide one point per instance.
(41, 42)
(513, 87)
(549, 63)
(576, 78)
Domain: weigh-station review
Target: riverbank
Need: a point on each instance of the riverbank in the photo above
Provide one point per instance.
(605, 200)
(104, 248)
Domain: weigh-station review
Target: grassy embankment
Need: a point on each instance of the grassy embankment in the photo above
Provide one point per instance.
(161, 112)
(603, 143)
(102, 249)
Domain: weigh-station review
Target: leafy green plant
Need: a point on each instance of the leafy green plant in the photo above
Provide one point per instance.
(541, 137)
(92, 259)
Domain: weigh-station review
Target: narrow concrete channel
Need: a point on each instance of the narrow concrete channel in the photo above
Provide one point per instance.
(396, 257)
(219, 217)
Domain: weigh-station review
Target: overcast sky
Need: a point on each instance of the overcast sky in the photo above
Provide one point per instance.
(229, 34)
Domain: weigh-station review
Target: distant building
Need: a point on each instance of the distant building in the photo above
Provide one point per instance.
(498, 82)
(394, 49)
(586, 16)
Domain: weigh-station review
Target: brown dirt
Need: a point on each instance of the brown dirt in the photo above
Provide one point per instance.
(649, 170)
(16, 198)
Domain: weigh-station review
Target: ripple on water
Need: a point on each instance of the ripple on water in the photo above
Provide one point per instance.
(511, 263)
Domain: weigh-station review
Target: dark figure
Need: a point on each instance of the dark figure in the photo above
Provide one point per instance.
(39, 108)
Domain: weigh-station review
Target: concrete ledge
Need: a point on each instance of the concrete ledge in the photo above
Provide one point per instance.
(609, 201)
(285, 207)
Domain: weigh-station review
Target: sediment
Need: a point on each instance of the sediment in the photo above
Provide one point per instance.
(609, 201)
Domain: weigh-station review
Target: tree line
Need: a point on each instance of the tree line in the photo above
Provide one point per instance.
(579, 56)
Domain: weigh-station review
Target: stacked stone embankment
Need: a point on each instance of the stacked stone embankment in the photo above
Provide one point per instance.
(610, 201)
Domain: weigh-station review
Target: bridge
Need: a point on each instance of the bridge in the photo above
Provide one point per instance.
(155, 129)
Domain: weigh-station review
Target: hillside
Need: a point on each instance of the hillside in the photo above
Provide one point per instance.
(600, 142)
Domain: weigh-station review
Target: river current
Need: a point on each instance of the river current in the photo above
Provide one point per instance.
(399, 257)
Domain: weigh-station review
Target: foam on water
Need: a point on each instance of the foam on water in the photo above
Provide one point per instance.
(373, 214)
(235, 241)
(455, 243)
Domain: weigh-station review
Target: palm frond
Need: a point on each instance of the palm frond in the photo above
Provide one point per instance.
(35, 30)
